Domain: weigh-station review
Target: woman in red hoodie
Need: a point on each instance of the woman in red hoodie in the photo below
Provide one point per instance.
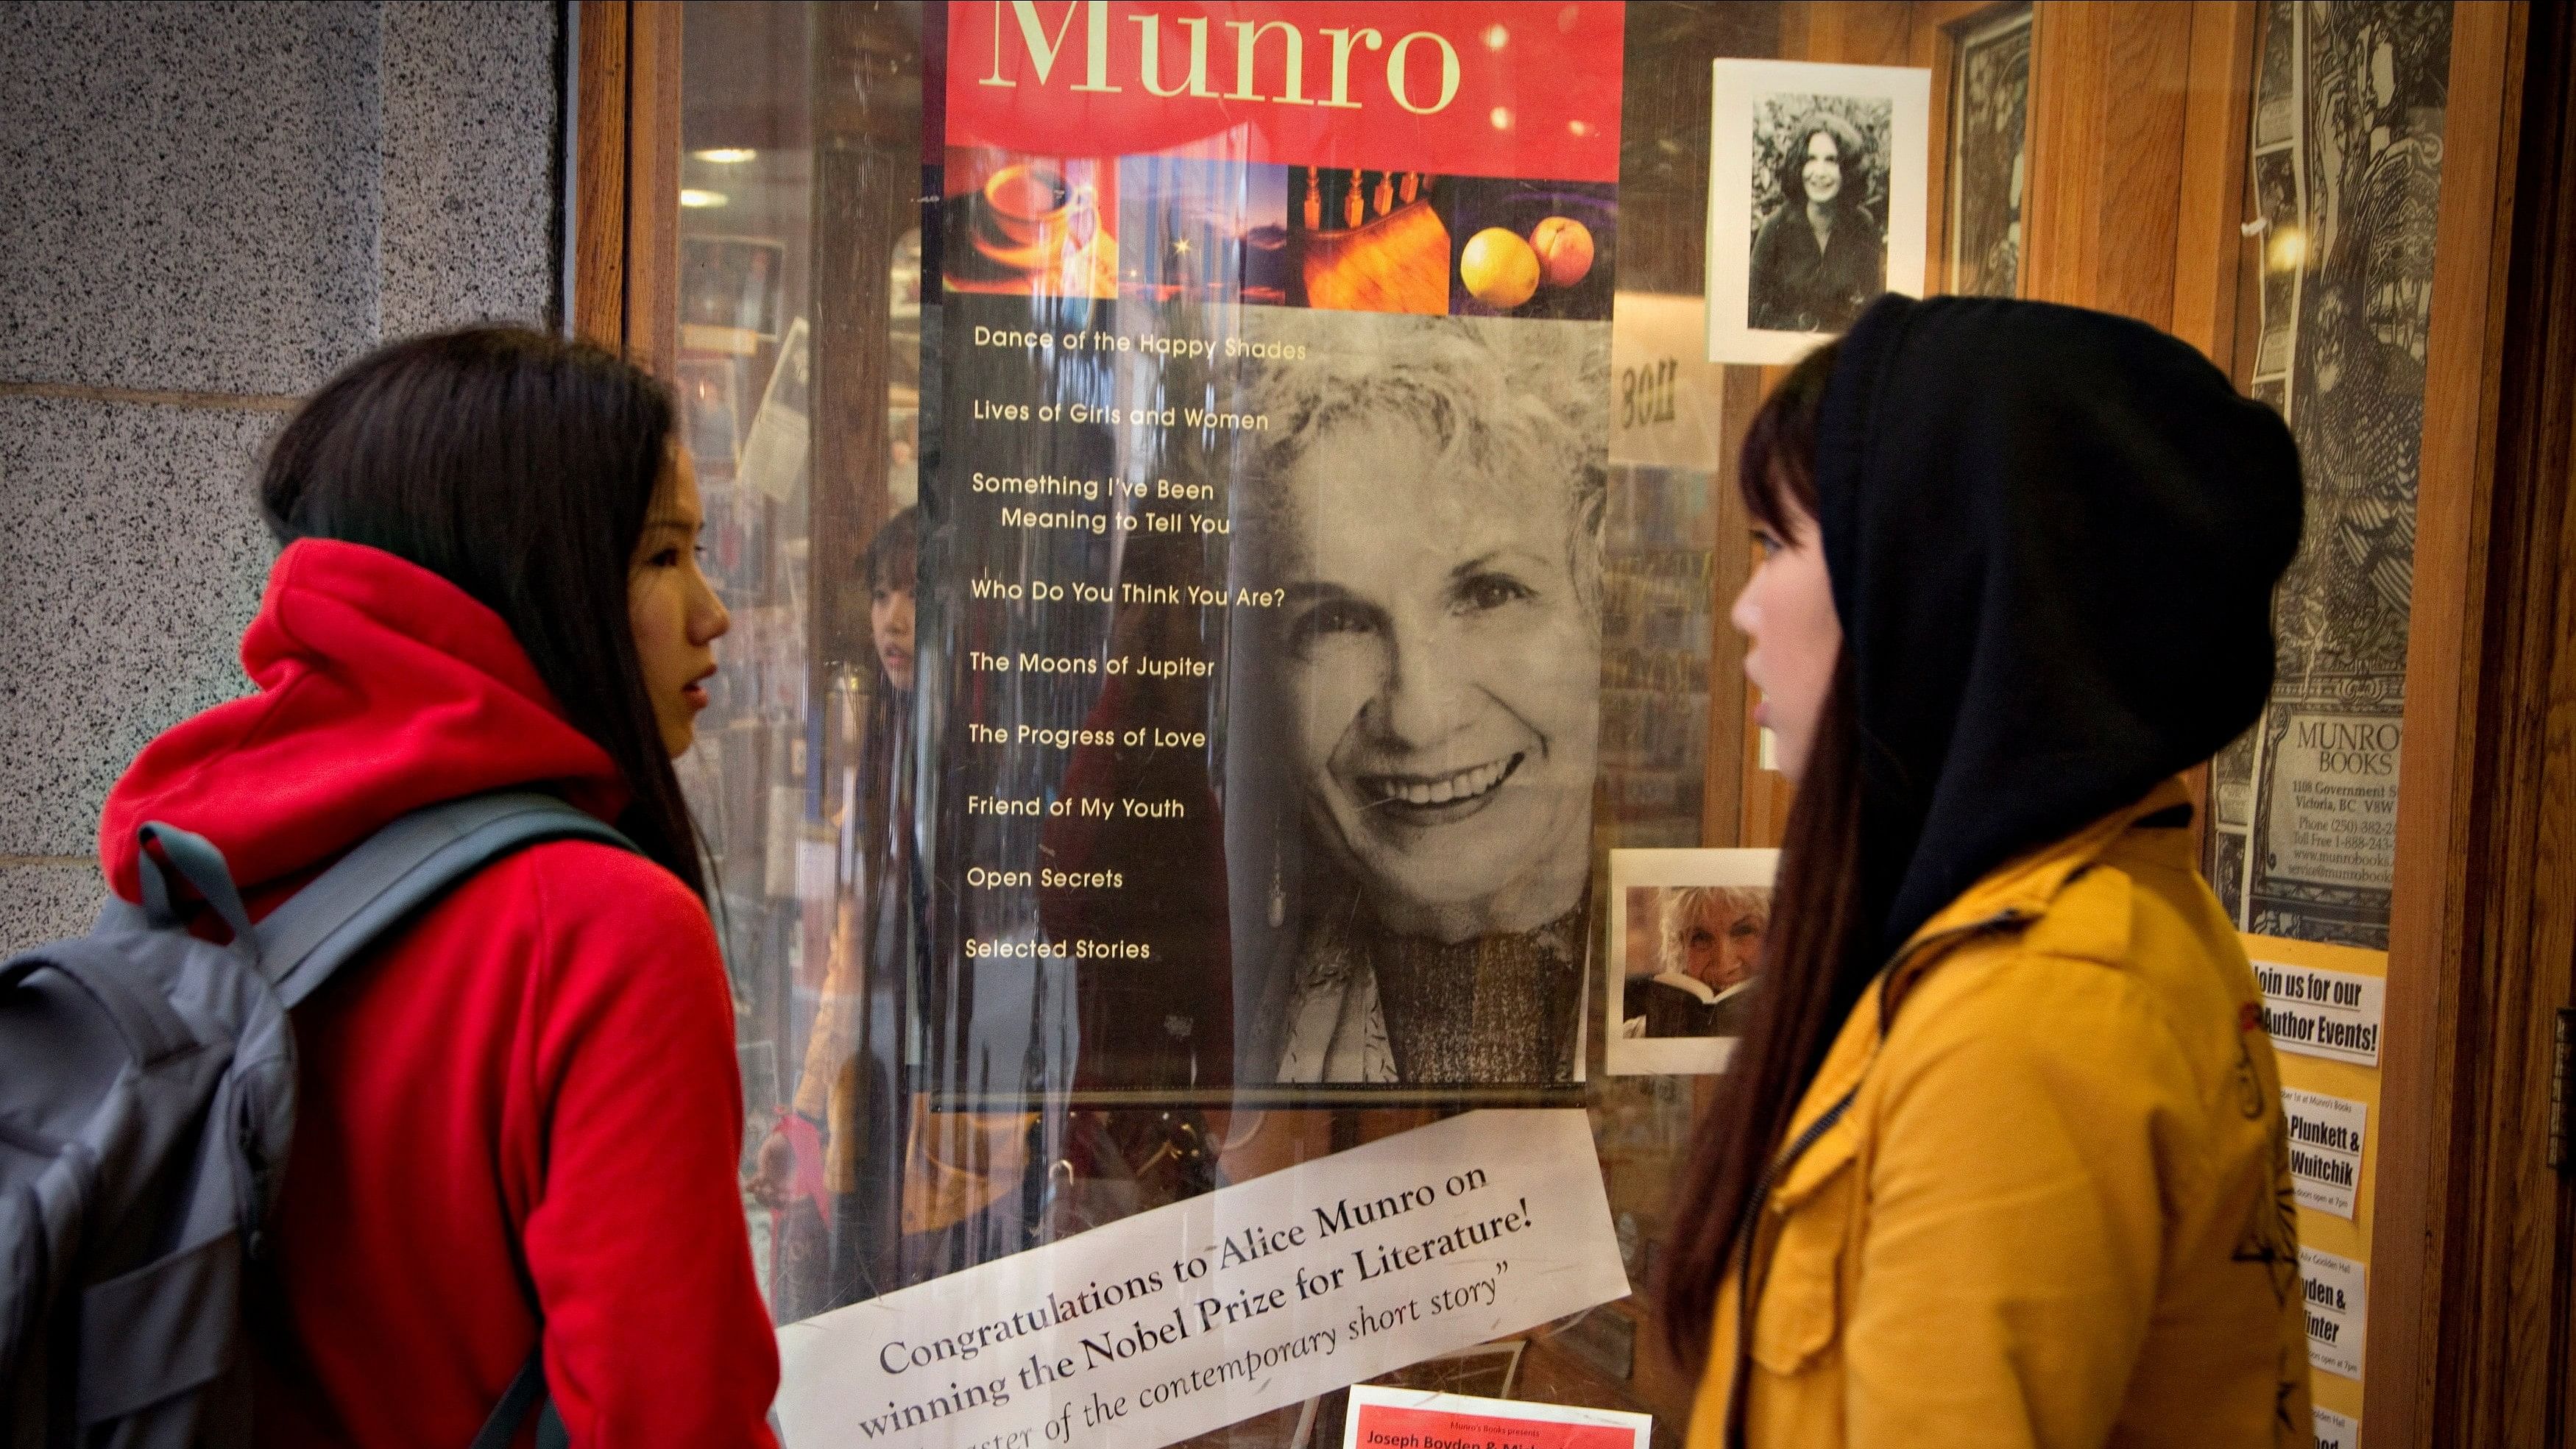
(523, 1117)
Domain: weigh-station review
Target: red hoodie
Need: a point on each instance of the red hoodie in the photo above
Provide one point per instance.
(531, 1090)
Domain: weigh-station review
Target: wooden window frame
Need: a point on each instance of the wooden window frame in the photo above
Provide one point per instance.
(626, 250)
(2470, 1293)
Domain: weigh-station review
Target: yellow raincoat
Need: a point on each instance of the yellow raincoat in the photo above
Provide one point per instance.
(2048, 1203)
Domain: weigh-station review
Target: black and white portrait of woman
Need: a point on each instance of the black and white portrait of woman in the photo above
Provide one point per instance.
(1819, 256)
(1431, 510)
(1818, 182)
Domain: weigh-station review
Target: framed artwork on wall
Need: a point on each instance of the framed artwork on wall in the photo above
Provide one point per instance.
(1816, 200)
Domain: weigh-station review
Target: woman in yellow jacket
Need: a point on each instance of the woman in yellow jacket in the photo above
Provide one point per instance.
(2002, 1161)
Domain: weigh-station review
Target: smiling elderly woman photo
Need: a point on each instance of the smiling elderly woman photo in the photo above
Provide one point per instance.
(1432, 508)
(1698, 978)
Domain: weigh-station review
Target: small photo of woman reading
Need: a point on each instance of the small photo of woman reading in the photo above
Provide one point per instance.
(1705, 940)
(1685, 942)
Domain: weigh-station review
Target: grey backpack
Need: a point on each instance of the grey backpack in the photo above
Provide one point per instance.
(147, 1098)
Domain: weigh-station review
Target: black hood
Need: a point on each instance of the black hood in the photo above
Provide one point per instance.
(2053, 536)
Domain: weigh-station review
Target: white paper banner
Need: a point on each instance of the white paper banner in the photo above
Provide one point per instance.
(1206, 1312)
(2337, 1431)
(2338, 1303)
(2325, 1149)
(2331, 1014)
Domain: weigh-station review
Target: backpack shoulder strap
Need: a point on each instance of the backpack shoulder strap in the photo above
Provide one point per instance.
(525, 1396)
(398, 870)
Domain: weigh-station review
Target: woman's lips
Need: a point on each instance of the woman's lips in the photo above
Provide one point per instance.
(695, 691)
(1444, 796)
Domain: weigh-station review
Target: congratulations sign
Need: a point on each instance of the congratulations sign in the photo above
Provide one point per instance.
(1208, 1311)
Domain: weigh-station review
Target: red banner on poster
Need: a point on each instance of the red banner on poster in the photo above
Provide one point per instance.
(1523, 90)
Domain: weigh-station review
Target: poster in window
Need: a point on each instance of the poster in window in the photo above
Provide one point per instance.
(1816, 200)
(2345, 185)
(1262, 601)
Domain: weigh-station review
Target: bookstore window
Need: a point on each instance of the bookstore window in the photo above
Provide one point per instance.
(1229, 519)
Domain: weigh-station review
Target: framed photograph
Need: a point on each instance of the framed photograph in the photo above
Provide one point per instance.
(1989, 142)
(1685, 938)
(1816, 200)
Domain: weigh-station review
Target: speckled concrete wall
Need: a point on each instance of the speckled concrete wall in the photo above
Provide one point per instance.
(205, 209)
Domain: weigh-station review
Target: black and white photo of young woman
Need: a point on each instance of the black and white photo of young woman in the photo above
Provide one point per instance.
(1820, 177)
(1431, 509)
(1818, 200)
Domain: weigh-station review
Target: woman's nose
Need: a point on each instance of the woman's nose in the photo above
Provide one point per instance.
(1741, 613)
(712, 618)
(1427, 691)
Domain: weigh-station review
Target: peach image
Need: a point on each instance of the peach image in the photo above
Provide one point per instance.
(1564, 248)
(1499, 268)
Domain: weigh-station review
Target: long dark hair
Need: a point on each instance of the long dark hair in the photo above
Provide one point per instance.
(1850, 151)
(520, 468)
(1817, 957)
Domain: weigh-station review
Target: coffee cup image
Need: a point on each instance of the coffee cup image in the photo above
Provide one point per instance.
(1033, 205)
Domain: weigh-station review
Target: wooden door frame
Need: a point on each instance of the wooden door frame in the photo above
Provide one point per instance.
(626, 255)
(2473, 1304)
(2418, 1326)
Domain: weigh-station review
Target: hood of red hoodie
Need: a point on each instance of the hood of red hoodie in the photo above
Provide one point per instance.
(382, 688)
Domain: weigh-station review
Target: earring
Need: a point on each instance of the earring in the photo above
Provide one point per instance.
(1278, 883)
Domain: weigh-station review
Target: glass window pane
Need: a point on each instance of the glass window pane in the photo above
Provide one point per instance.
(1230, 518)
